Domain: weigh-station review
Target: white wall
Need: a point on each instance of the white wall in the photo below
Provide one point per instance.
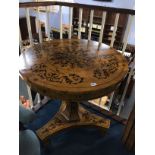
(115, 3)
(22, 10)
(131, 37)
(54, 17)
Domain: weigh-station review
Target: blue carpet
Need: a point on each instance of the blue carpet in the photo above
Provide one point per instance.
(80, 141)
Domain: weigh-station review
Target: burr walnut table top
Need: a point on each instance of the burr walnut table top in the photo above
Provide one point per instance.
(72, 69)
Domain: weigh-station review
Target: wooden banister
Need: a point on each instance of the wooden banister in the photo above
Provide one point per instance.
(70, 22)
(92, 9)
(102, 26)
(60, 9)
(91, 24)
(80, 23)
(29, 26)
(115, 29)
(47, 23)
(77, 5)
(39, 27)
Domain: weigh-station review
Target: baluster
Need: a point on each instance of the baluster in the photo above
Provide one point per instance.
(20, 41)
(47, 22)
(60, 8)
(80, 22)
(29, 26)
(102, 27)
(127, 33)
(115, 29)
(39, 26)
(111, 100)
(38, 98)
(30, 96)
(125, 89)
(70, 22)
(90, 24)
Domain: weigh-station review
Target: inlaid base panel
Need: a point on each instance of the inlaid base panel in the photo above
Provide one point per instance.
(71, 115)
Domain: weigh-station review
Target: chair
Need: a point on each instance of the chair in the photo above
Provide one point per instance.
(28, 143)
(26, 115)
(128, 138)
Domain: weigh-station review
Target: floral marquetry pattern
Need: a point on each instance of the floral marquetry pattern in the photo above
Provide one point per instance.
(72, 57)
(105, 69)
(68, 58)
(55, 76)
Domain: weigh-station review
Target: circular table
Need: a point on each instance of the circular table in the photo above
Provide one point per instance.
(72, 70)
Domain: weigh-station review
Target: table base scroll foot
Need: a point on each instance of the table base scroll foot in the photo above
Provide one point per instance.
(71, 115)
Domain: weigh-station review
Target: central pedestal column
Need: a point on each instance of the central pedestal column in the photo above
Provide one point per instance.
(70, 111)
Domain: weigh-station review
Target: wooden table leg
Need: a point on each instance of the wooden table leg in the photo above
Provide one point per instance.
(71, 114)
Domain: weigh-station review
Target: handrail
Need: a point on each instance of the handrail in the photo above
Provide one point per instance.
(77, 5)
